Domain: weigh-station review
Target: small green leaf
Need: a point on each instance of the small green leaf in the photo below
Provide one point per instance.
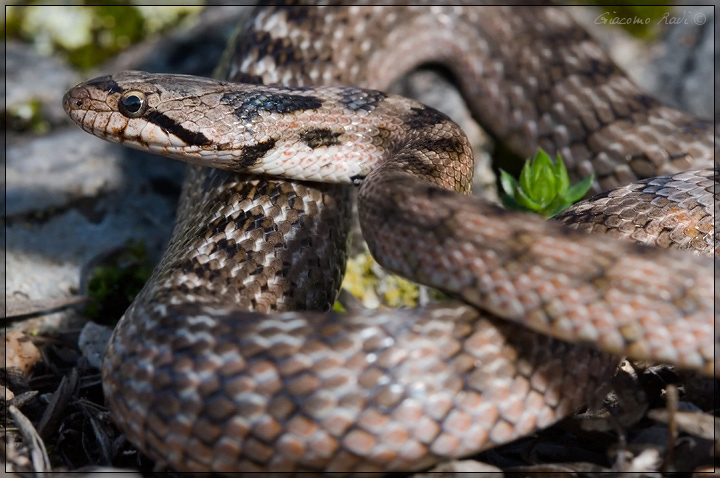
(526, 178)
(510, 203)
(543, 190)
(508, 183)
(527, 202)
(541, 183)
(577, 191)
(562, 179)
(553, 209)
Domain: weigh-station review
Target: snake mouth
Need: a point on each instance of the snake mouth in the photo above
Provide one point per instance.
(90, 95)
(77, 102)
(75, 105)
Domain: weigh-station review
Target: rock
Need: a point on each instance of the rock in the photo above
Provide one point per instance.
(92, 342)
(20, 351)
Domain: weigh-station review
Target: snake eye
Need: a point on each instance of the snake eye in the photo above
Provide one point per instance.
(132, 104)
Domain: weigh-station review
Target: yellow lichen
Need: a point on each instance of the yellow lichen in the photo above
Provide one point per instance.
(374, 286)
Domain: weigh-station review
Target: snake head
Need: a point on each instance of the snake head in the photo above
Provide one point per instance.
(166, 115)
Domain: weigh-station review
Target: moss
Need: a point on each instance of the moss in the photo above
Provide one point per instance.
(113, 285)
(90, 34)
(27, 117)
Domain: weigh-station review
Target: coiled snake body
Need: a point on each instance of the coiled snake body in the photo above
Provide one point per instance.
(199, 375)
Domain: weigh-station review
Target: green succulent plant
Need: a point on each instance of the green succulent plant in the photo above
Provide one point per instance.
(543, 186)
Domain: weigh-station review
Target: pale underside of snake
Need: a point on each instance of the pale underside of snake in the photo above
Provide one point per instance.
(200, 375)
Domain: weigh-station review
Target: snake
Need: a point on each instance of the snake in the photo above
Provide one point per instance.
(229, 359)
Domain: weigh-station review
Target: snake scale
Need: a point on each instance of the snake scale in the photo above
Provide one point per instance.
(227, 362)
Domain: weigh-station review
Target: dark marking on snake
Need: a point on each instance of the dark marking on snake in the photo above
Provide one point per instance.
(316, 138)
(421, 117)
(249, 105)
(643, 102)
(250, 155)
(105, 83)
(359, 99)
(561, 36)
(245, 221)
(268, 45)
(293, 14)
(248, 78)
(169, 126)
(603, 69)
(419, 164)
(262, 44)
(449, 145)
(696, 126)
